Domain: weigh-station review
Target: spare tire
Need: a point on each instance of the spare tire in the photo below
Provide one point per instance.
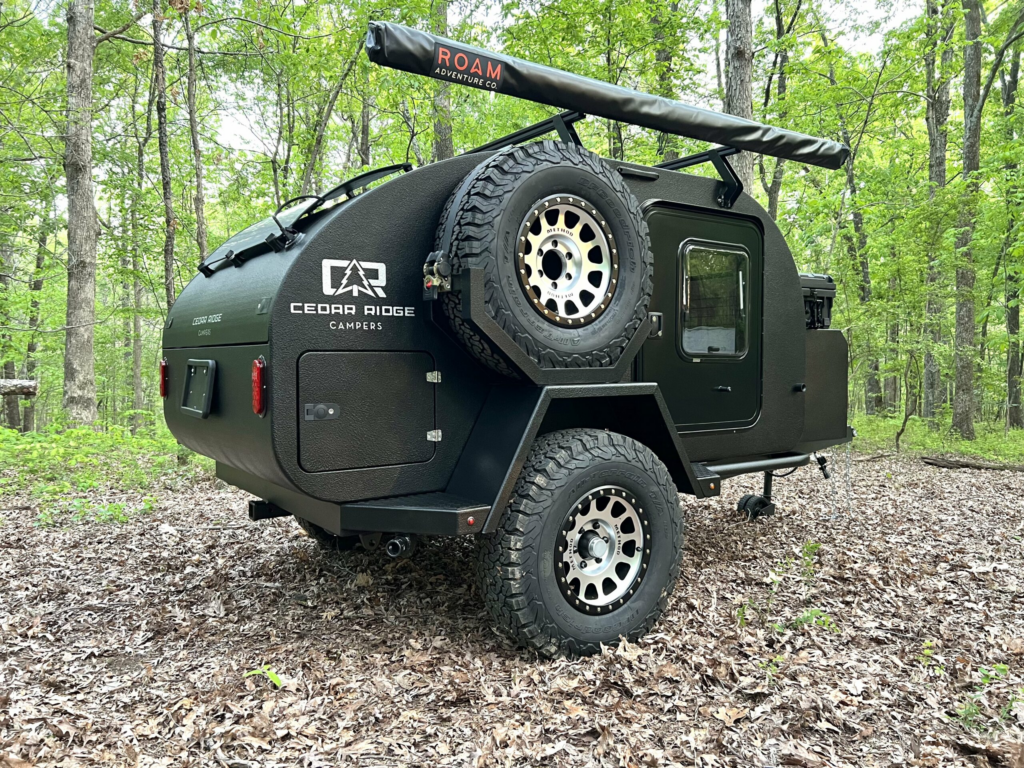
(565, 251)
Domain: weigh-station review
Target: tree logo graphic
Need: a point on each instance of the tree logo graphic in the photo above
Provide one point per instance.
(355, 279)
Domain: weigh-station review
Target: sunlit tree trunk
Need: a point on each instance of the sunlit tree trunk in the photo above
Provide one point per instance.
(963, 347)
(83, 227)
(937, 76)
(739, 62)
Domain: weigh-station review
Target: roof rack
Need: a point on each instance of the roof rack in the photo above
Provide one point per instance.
(561, 124)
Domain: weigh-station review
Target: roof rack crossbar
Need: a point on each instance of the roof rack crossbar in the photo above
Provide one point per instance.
(562, 124)
(730, 188)
(697, 159)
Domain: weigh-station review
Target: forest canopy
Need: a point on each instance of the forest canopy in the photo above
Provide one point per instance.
(135, 137)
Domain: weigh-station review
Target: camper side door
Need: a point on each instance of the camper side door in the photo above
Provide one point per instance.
(708, 278)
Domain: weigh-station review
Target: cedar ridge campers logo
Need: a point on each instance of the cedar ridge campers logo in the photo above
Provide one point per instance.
(357, 278)
(466, 68)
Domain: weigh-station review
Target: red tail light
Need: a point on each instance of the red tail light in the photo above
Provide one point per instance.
(163, 377)
(259, 386)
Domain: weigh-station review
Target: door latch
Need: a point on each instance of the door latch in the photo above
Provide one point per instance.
(723, 389)
(657, 325)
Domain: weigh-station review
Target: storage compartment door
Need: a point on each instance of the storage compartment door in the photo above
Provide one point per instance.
(364, 409)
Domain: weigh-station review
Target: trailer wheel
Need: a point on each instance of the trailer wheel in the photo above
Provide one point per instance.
(327, 540)
(565, 251)
(588, 550)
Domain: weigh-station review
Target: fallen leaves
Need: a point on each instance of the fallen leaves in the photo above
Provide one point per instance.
(129, 645)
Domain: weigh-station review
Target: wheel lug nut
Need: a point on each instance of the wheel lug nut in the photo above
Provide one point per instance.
(583, 564)
(596, 525)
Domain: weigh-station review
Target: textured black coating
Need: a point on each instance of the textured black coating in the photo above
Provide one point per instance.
(516, 574)
(396, 223)
(781, 422)
(399, 47)
(827, 355)
(511, 421)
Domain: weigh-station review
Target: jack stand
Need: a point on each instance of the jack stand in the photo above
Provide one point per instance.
(823, 466)
(769, 507)
(752, 506)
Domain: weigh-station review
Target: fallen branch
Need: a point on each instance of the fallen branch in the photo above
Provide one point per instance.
(945, 463)
(876, 457)
(24, 387)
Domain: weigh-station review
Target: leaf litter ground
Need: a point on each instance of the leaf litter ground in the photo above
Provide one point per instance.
(891, 633)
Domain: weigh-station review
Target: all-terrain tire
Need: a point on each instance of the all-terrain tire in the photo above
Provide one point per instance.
(518, 564)
(325, 539)
(490, 208)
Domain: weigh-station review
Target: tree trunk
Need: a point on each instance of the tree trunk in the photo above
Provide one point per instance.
(1014, 412)
(83, 227)
(197, 151)
(936, 117)
(963, 347)
(163, 141)
(29, 416)
(11, 402)
(364, 132)
(141, 142)
(323, 120)
(444, 144)
(774, 187)
(892, 380)
(414, 144)
(739, 61)
(667, 142)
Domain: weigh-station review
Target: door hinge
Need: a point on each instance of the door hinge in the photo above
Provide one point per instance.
(434, 377)
(434, 436)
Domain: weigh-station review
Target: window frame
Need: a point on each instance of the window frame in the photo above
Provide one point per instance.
(682, 292)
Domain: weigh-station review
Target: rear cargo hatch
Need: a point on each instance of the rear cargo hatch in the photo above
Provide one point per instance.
(365, 409)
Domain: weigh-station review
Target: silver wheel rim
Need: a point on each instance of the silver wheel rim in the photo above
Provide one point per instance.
(568, 260)
(603, 550)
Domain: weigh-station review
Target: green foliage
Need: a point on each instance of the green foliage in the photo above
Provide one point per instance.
(64, 473)
(928, 660)
(815, 617)
(993, 442)
(267, 672)
(807, 553)
(972, 712)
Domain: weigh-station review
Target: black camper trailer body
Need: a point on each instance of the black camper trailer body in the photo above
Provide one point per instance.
(316, 360)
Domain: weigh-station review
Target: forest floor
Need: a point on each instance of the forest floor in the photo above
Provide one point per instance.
(887, 633)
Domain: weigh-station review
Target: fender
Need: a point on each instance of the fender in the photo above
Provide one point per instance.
(513, 417)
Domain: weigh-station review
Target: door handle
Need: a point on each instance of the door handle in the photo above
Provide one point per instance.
(723, 389)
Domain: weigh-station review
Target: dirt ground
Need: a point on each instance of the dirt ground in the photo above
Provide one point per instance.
(889, 633)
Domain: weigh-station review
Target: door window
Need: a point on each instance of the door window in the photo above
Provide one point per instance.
(713, 299)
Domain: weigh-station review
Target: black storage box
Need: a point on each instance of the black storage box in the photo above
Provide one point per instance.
(819, 293)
